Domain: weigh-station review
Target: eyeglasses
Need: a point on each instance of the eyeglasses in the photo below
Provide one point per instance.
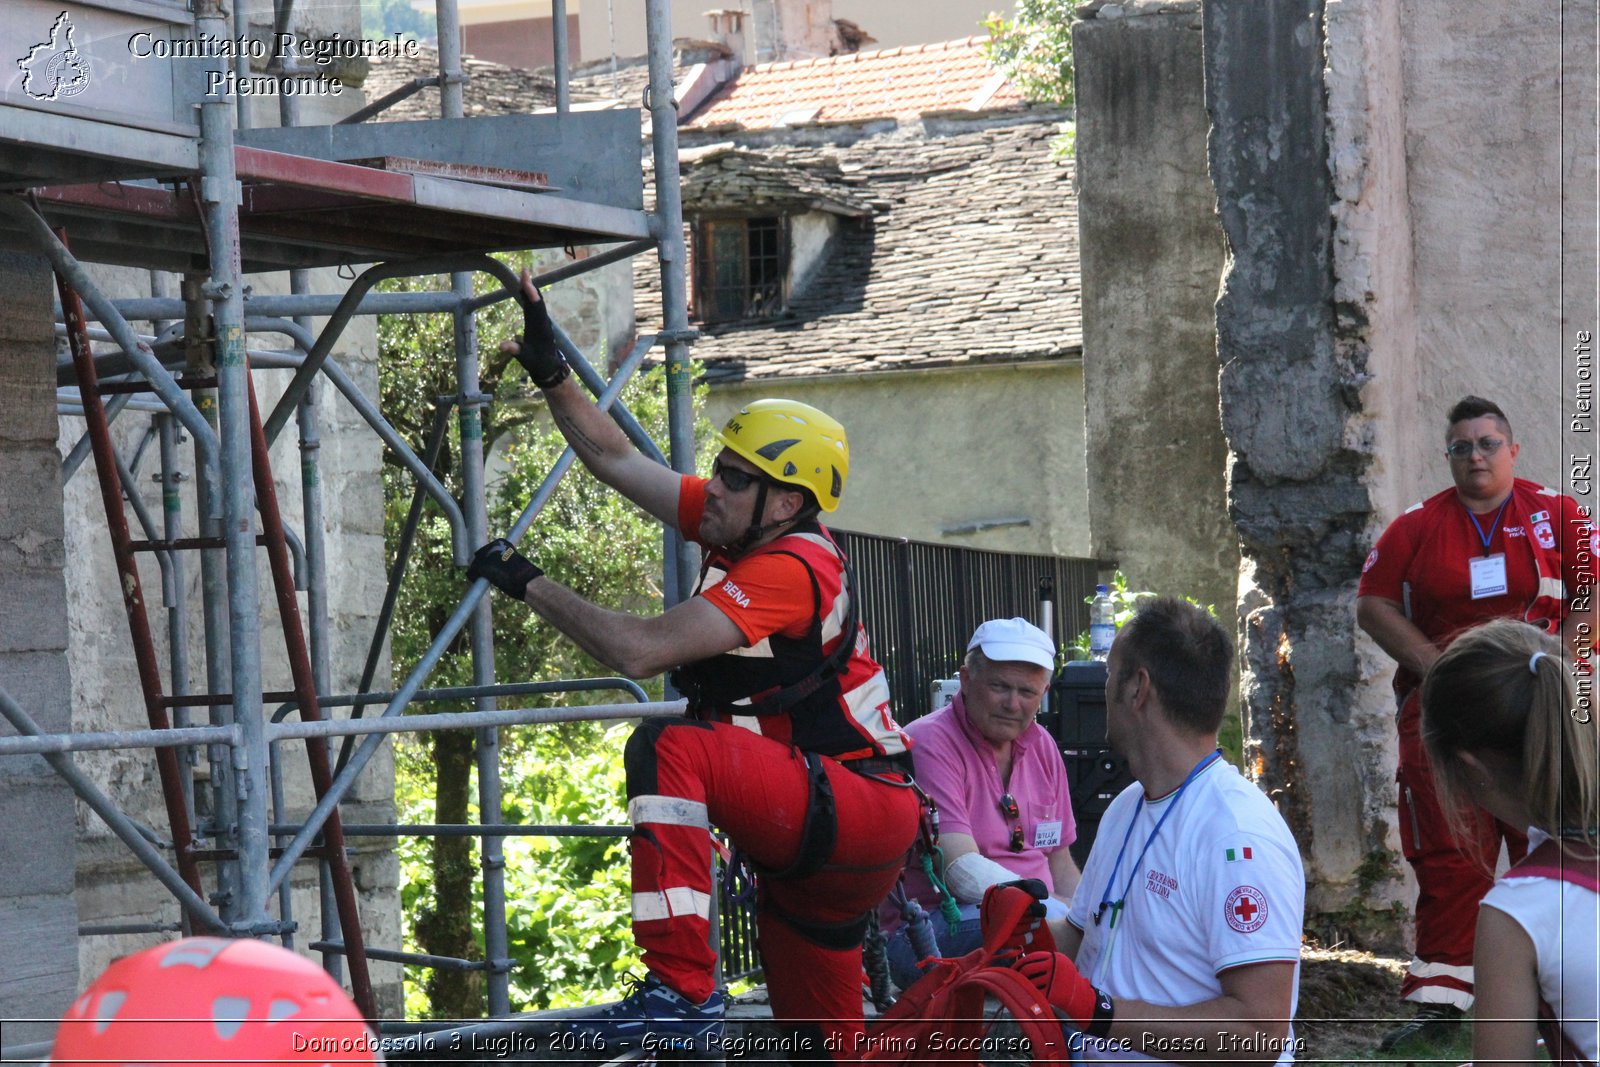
(1464, 449)
(1009, 810)
(735, 479)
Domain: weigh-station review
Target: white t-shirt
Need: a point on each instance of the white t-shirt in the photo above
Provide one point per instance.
(1219, 886)
(1563, 922)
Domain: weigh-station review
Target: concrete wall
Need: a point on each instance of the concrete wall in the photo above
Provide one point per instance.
(936, 453)
(1488, 292)
(38, 913)
(1288, 400)
(1152, 253)
(525, 42)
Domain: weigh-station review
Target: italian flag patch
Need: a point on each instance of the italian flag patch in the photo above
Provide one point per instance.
(1239, 854)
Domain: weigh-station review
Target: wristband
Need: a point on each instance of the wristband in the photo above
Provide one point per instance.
(1104, 1010)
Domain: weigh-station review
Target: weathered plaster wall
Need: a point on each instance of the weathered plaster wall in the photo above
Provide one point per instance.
(1376, 337)
(1152, 253)
(935, 452)
(1485, 197)
(1394, 242)
(38, 914)
(808, 245)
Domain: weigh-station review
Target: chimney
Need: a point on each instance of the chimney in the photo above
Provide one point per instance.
(727, 29)
(793, 29)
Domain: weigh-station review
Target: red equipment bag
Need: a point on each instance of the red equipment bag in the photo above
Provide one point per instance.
(976, 1008)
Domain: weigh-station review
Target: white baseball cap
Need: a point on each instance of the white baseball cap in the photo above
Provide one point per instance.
(1014, 641)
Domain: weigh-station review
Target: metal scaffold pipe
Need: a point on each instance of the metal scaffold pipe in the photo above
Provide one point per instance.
(219, 191)
(119, 823)
(445, 638)
(668, 227)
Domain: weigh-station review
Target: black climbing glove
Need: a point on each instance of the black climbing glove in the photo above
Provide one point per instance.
(507, 569)
(538, 352)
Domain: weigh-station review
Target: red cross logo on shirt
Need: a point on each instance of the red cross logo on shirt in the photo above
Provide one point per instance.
(1246, 909)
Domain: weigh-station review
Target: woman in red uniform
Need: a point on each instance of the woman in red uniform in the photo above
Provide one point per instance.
(1492, 546)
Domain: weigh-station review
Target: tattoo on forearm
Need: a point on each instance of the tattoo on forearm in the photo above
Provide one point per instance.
(581, 442)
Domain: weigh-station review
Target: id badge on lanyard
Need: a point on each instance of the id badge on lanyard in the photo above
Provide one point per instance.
(1488, 575)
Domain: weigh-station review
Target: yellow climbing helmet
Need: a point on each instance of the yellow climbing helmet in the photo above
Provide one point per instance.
(794, 443)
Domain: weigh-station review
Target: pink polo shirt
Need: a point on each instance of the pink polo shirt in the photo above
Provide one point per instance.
(956, 767)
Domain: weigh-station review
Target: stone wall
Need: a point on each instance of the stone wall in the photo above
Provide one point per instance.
(112, 886)
(1152, 252)
(38, 913)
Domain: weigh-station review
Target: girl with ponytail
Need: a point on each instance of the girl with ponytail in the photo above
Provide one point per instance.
(1505, 733)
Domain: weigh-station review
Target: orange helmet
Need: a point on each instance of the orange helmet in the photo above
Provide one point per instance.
(210, 1002)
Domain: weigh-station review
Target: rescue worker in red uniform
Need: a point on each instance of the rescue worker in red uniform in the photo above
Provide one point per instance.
(1494, 546)
(790, 747)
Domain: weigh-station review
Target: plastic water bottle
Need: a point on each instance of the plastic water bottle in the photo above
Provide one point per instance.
(1102, 624)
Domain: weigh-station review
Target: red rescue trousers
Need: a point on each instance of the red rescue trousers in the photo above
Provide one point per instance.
(685, 776)
(1454, 867)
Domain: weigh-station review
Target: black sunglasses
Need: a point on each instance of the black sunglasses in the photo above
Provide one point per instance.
(1009, 810)
(735, 479)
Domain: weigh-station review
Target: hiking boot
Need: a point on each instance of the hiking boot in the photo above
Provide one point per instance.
(656, 1011)
(1432, 1022)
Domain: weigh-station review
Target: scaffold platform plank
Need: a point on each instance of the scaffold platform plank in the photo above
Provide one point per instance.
(298, 212)
(302, 205)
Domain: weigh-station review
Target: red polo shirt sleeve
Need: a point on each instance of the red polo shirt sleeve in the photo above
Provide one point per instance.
(1384, 573)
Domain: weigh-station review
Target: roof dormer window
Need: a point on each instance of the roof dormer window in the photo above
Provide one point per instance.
(740, 268)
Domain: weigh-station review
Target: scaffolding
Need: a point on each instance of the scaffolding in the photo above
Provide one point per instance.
(215, 199)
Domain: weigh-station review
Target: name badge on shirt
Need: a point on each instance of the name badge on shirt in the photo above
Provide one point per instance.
(1488, 576)
(1047, 834)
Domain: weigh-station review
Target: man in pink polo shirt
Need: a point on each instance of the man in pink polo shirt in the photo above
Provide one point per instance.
(1000, 784)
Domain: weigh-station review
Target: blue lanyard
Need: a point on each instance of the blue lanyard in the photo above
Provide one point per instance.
(1116, 905)
(1485, 538)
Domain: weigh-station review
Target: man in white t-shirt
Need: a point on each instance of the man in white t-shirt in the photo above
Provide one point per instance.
(1184, 939)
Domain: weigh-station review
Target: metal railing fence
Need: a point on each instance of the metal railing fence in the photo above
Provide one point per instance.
(920, 603)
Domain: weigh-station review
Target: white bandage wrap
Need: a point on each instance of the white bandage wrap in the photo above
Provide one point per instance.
(671, 811)
(973, 873)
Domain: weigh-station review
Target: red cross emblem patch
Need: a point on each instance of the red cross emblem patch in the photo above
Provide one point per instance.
(1246, 909)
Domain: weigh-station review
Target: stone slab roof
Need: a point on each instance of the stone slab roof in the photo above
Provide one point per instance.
(727, 180)
(491, 89)
(885, 83)
(969, 258)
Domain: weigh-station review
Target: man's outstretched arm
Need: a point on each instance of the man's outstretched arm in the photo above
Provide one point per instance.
(636, 645)
(594, 437)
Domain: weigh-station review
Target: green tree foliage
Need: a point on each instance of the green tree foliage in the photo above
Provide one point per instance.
(567, 897)
(382, 18)
(1124, 603)
(1034, 47)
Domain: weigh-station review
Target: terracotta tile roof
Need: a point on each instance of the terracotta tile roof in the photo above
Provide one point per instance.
(971, 257)
(890, 82)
